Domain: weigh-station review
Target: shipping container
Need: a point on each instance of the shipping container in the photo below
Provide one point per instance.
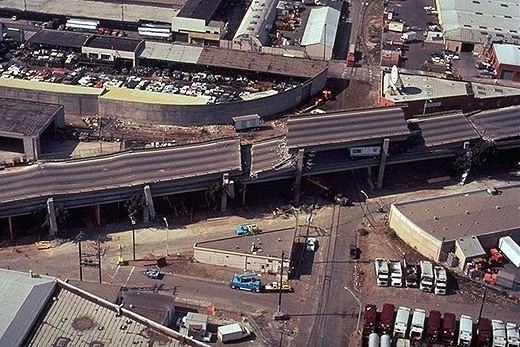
(246, 122)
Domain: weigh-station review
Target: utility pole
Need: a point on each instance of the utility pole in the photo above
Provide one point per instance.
(79, 238)
(99, 257)
(167, 237)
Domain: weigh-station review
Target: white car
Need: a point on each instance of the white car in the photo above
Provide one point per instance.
(311, 244)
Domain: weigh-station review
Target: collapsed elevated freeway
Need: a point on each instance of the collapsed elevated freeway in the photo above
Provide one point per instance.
(315, 144)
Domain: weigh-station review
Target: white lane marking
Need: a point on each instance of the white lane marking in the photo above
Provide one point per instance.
(130, 274)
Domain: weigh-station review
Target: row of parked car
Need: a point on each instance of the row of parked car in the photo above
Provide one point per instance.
(416, 326)
(64, 66)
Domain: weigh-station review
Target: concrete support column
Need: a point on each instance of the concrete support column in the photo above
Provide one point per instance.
(382, 163)
(149, 202)
(244, 188)
(225, 192)
(31, 147)
(51, 211)
(298, 181)
(97, 213)
(10, 227)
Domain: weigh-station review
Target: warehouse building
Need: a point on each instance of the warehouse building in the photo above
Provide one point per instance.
(474, 25)
(466, 224)
(44, 311)
(320, 32)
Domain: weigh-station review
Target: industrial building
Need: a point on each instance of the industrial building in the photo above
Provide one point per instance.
(44, 311)
(260, 252)
(474, 25)
(466, 224)
(424, 95)
(505, 59)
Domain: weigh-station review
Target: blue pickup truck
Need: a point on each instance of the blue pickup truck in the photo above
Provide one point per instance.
(247, 281)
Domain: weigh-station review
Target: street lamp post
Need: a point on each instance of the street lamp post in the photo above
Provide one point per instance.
(132, 220)
(365, 206)
(167, 236)
(360, 308)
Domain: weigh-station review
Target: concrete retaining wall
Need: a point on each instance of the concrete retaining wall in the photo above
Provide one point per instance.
(85, 104)
(240, 261)
(413, 235)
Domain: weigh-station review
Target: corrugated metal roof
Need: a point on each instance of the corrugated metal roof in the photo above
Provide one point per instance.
(73, 320)
(147, 97)
(22, 298)
(259, 15)
(473, 20)
(171, 52)
(344, 127)
(507, 54)
(49, 87)
(498, 124)
(321, 27)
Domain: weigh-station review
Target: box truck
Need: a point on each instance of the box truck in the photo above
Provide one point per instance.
(498, 329)
(369, 322)
(510, 249)
(465, 330)
(433, 327)
(232, 332)
(401, 322)
(409, 36)
(417, 328)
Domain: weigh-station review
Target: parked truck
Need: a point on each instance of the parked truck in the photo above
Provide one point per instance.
(426, 284)
(232, 332)
(465, 330)
(498, 329)
(396, 273)
(483, 332)
(369, 322)
(386, 322)
(448, 328)
(410, 269)
(386, 340)
(510, 249)
(401, 322)
(409, 36)
(382, 272)
(402, 343)
(247, 281)
(433, 328)
(277, 287)
(395, 26)
(440, 280)
(513, 338)
(417, 327)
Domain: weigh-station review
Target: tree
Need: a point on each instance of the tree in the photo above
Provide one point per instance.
(213, 194)
(482, 154)
(135, 205)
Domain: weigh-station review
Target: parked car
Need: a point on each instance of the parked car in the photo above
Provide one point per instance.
(311, 244)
